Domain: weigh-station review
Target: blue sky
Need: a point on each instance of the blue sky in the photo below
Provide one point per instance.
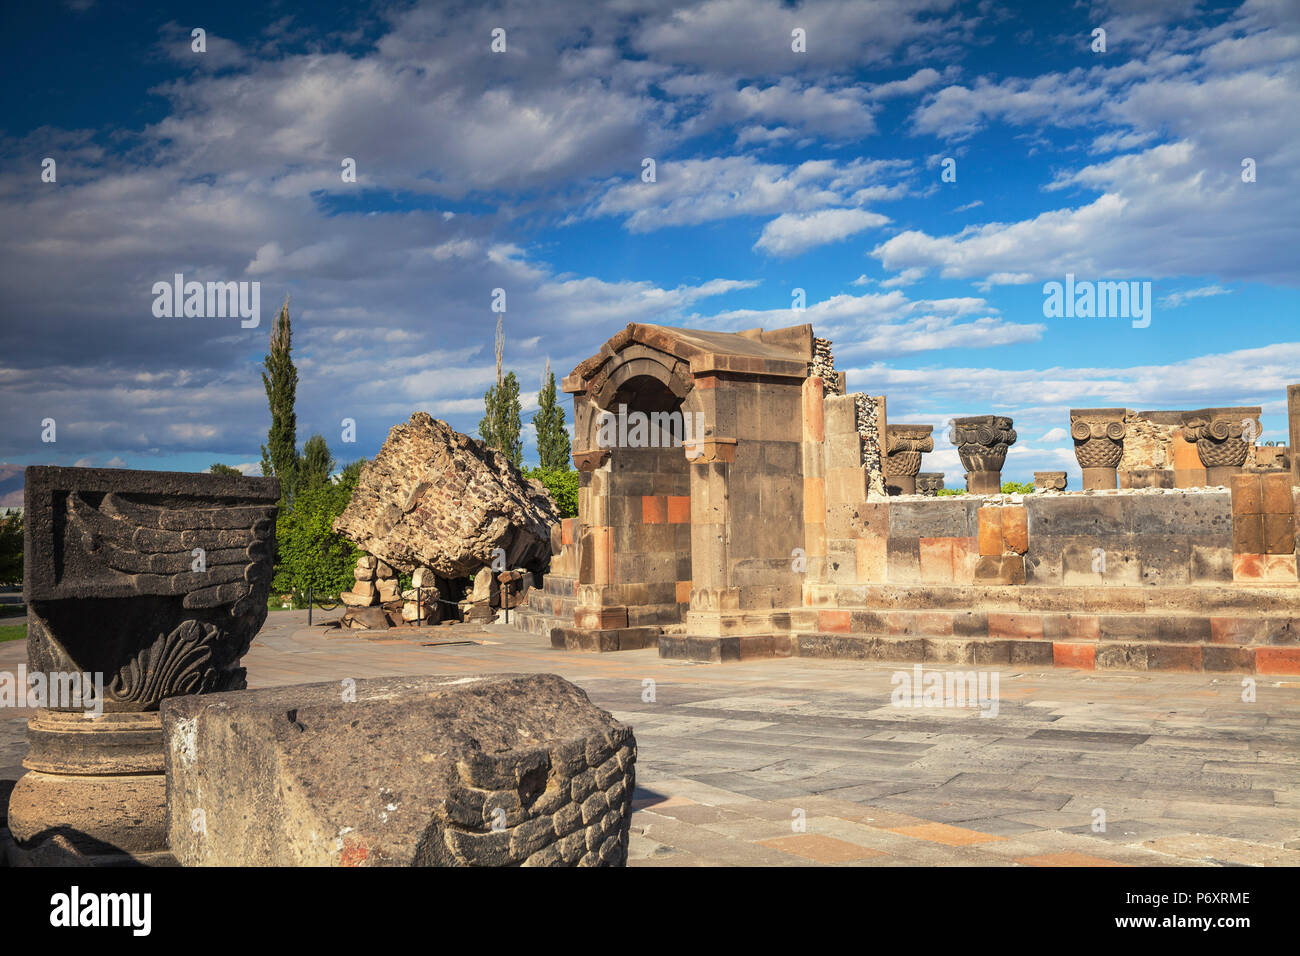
(521, 170)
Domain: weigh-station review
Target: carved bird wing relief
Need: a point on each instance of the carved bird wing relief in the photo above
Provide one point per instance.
(154, 546)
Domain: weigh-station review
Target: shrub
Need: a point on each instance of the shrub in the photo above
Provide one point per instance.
(308, 551)
(563, 486)
(1017, 487)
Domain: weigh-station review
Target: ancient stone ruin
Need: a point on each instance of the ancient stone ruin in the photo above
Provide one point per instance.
(157, 581)
(491, 770)
(768, 535)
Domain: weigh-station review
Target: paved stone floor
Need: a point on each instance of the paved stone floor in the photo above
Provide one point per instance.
(798, 762)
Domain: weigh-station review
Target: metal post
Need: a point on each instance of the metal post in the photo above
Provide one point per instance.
(309, 604)
(419, 606)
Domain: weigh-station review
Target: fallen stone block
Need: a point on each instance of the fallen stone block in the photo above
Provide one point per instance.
(491, 770)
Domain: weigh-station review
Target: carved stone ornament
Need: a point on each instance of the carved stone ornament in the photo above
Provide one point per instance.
(904, 445)
(1098, 435)
(151, 585)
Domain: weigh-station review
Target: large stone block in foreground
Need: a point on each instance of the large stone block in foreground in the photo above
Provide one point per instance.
(491, 770)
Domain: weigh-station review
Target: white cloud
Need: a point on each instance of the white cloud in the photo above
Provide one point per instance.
(1174, 299)
(793, 233)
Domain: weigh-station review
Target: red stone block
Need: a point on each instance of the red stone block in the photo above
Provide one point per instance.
(683, 592)
(833, 621)
(566, 531)
(1082, 656)
(1248, 567)
(1277, 660)
(653, 509)
(679, 509)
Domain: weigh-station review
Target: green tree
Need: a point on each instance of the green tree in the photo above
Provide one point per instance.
(220, 469)
(280, 378)
(310, 552)
(316, 464)
(552, 437)
(500, 426)
(11, 548)
(563, 486)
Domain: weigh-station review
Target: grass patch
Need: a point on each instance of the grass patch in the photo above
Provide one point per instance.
(13, 632)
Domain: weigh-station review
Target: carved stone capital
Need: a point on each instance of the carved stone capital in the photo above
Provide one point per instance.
(1223, 437)
(1098, 435)
(1049, 481)
(904, 445)
(929, 483)
(982, 442)
(150, 585)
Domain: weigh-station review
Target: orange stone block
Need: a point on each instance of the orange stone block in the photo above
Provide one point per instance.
(814, 500)
(1277, 660)
(566, 531)
(990, 532)
(683, 592)
(1082, 656)
(1276, 498)
(833, 621)
(679, 509)
(814, 415)
(1015, 529)
(1248, 568)
(654, 509)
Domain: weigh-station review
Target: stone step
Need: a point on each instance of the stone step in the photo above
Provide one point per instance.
(612, 639)
(1206, 599)
(1086, 655)
(1240, 629)
(558, 585)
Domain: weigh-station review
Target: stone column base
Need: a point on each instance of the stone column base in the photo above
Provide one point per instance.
(1095, 479)
(901, 484)
(984, 482)
(94, 793)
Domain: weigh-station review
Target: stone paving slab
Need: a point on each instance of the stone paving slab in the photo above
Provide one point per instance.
(798, 762)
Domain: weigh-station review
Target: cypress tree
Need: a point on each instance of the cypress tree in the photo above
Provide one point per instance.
(500, 426)
(280, 378)
(552, 437)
